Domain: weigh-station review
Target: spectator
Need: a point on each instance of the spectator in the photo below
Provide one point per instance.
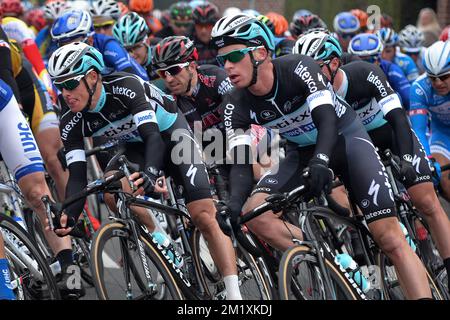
(427, 22)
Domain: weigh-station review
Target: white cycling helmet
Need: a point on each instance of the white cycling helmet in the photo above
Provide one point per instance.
(318, 45)
(436, 59)
(54, 9)
(410, 39)
(74, 59)
(105, 8)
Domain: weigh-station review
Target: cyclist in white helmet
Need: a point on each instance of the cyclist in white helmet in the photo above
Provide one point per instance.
(410, 41)
(104, 14)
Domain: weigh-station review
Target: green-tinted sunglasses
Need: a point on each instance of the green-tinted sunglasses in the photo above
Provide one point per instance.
(235, 56)
(69, 84)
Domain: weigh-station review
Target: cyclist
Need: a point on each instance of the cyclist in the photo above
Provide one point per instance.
(123, 106)
(305, 23)
(21, 154)
(291, 94)
(283, 46)
(205, 15)
(369, 47)
(12, 8)
(430, 95)
(365, 87)
(279, 27)
(346, 27)
(145, 9)
(52, 10)
(410, 41)
(390, 40)
(362, 17)
(76, 25)
(104, 14)
(181, 22)
(36, 20)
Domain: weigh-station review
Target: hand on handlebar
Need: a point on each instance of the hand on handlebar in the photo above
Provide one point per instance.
(147, 184)
(61, 227)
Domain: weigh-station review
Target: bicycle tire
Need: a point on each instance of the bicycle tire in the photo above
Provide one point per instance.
(392, 289)
(115, 229)
(51, 288)
(248, 269)
(298, 253)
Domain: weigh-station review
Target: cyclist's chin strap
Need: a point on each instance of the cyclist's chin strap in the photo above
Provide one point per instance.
(333, 74)
(91, 92)
(191, 76)
(255, 69)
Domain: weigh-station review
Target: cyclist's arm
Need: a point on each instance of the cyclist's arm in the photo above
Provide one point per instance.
(239, 141)
(392, 109)
(418, 114)
(399, 83)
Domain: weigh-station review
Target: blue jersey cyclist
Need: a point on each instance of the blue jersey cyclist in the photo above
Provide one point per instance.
(430, 96)
(76, 25)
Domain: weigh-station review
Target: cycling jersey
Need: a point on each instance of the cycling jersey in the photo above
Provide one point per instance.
(206, 52)
(367, 90)
(17, 144)
(407, 64)
(424, 102)
(45, 43)
(6, 69)
(128, 109)
(348, 58)
(397, 80)
(18, 30)
(115, 56)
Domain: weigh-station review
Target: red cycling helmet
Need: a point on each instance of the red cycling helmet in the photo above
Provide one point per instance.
(35, 18)
(12, 7)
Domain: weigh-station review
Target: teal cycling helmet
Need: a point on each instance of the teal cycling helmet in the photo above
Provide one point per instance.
(131, 29)
(242, 29)
(318, 45)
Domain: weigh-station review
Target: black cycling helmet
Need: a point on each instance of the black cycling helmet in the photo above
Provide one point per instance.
(205, 13)
(181, 12)
(173, 50)
(302, 24)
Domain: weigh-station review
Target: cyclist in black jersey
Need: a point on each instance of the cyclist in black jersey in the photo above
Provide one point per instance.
(205, 15)
(125, 107)
(365, 87)
(293, 95)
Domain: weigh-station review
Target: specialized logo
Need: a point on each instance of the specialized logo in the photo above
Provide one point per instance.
(373, 191)
(378, 83)
(305, 75)
(69, 126)
(124, 92)
(268, 115)
(191, 174)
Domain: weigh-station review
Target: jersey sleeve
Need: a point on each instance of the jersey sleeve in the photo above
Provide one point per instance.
(399, 83)
(418, 113)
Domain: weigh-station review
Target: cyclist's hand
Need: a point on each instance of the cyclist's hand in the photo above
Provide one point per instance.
(320, 177)
(436, 171)
(407, 170)
(64, 227)
(148, 184)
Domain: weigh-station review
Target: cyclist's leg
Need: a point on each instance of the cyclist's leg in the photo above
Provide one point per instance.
(424, 198)
(268, 226)
(45, 127)
(368, 185)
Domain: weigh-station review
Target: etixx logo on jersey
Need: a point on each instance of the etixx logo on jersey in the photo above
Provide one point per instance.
(268, 115)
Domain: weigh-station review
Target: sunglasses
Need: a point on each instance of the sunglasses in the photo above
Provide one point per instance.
(172, 70)
(442, 78)
(69, 84)
(324, 63)
(235, 56)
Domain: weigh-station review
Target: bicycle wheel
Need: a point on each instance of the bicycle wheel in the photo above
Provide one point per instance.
(31, 276)
(300, 278)
(115, 254)
(391, 284)
(252, 282)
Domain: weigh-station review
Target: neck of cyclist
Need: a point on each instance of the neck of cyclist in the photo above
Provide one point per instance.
(193, 79)
(96, 88)
(265, 79)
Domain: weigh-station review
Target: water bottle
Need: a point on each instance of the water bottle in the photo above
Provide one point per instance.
(408, 238)
(350, 265)
(167, 245)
